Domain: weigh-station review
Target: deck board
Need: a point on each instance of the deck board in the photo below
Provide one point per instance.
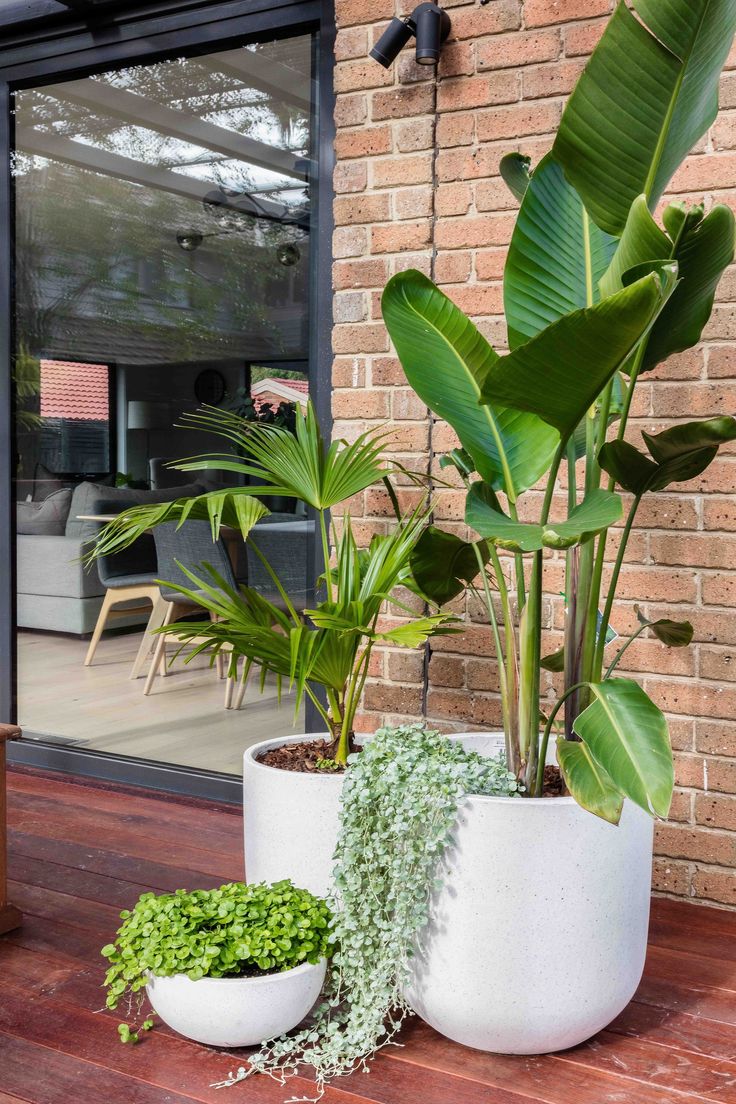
(81, 852)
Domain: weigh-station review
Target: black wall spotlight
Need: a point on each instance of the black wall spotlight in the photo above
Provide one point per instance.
(431, 26)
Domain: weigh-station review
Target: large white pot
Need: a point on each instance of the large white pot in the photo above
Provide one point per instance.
(235, 1012)
(291, 820)
(538, 935)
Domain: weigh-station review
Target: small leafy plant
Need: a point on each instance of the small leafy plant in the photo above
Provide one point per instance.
(399, 804)
(237, 930)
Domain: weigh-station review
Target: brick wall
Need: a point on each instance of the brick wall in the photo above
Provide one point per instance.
(417, 185)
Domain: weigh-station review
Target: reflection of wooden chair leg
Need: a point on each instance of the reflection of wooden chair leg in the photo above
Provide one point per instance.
(107, 604)
(148, 643)
(159, 652)
(243, 685)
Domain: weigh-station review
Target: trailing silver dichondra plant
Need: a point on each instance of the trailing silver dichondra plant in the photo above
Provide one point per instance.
(399, 803)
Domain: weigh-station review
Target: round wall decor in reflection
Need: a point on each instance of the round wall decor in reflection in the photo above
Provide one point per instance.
(210, 387)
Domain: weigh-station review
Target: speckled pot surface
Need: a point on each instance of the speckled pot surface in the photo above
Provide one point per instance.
(538, 935)
(235, 1012)
(290, 820)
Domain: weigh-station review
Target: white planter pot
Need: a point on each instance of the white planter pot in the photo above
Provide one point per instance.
(235, 1012)
(290, 820)
(538, 935)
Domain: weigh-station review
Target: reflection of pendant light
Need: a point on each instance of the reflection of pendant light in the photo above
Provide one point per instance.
(189, 240)
(288, 254)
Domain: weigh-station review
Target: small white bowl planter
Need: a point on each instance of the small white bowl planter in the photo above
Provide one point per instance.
(233, 1011)
(291, 820)
(538, 934)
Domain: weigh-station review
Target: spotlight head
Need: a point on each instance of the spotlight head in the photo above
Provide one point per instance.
(428, 22)
(432, 28)
(189, 240)
(392, 41)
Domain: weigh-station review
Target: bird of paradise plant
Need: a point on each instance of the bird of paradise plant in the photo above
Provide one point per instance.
(328, 646)
(597, 293)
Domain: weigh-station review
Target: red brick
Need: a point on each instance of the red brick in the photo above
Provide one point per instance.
(454, 199)
(715, 885)
(351, 109)
(349, 12)
(416, 169)
(540, 13)
(470, 232)
(519, 48)
(480, 91)
(517, 120)
(367, 338)
(400, 102)
(360, 404)
(350, 176)
(716, 811)
(452, 268)
(456, 129)
(501, 15)
(399, 238)
(358, 274)
(350, 43)
(582, 38)
(364, 142)
(557, 79)
(362, 208)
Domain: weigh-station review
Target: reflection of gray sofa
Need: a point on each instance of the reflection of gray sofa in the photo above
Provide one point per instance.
(55, 591)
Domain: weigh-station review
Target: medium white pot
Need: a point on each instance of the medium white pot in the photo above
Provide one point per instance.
(538, 935)
(291, 820)
(235, 1012)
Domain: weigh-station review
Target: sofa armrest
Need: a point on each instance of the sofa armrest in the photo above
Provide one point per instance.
(52, 566)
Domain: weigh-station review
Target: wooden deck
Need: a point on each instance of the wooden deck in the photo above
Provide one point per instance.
(81, 853)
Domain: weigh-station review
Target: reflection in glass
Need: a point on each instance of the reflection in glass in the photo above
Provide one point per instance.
(162, 260)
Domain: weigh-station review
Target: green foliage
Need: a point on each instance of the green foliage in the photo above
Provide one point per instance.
(594, 290)
(330, 644)
(648, 93)
(235, 931)
(399, 804)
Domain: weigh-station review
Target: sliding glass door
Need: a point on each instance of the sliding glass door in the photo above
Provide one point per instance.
(165, 258)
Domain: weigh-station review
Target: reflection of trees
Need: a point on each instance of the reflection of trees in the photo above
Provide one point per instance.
(95, 249)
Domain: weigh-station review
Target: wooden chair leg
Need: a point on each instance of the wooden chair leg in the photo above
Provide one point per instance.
(159, 652)
(107, 603)
(148, 643)
(243, 685)
(230, 684)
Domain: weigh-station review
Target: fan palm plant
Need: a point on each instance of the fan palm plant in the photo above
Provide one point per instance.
(330, 645)
(597, 293)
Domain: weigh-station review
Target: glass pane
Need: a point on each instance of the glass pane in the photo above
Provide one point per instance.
(162, 262)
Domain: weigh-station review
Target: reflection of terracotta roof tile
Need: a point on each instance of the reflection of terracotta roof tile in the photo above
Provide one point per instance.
(73, 390)
(293, 384)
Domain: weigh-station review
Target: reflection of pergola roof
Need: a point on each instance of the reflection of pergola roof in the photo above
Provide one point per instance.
(70, 389)
(108, 342)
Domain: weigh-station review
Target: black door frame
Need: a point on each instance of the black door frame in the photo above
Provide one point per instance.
(47, 50)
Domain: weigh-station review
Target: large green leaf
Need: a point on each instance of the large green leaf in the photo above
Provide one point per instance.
(558, 374)
(446, 359)
(597, 511)
(443, 565)
(627, 735)
(587, 781)
(516, 173)
(557, 255)
(679, 453)
(648, 93)
(702, 248)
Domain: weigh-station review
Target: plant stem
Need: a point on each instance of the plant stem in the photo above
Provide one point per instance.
(519, 565)
(500, 657)
(612, 666)
(531, 640)
(601, 643)
(539, 780)
(326, 553)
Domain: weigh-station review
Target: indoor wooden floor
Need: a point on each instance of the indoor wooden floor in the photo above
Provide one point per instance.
(183, 721)
(81, 853)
